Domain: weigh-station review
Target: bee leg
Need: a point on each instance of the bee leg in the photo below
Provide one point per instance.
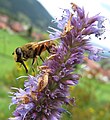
(41, 58)
(34, 60)
(40, 51)
(48, 49)
(24, 66)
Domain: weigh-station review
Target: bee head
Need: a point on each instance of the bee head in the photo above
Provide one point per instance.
(18, 54)
(18, 51)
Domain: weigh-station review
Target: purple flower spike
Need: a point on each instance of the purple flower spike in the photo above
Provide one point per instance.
(44, 94)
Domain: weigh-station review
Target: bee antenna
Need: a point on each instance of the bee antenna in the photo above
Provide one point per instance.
(13, 53)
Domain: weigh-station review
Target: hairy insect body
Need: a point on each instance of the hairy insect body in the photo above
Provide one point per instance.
(32, 50)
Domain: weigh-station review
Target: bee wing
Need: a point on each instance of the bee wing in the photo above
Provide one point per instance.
(44, 41)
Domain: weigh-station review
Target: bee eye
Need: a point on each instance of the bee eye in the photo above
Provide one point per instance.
(18, 51)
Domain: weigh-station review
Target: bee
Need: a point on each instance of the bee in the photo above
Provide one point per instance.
(32, 50)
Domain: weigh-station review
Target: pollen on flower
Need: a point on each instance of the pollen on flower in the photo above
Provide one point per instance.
(43, 79)
(34, 95)
(74, 6)
(25, 99)
(68, 27)
(44, 68)
(51, 57)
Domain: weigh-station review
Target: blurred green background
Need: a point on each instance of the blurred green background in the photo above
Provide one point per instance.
(92, 92)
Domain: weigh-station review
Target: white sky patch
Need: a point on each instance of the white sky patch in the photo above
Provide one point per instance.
(93, 7)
